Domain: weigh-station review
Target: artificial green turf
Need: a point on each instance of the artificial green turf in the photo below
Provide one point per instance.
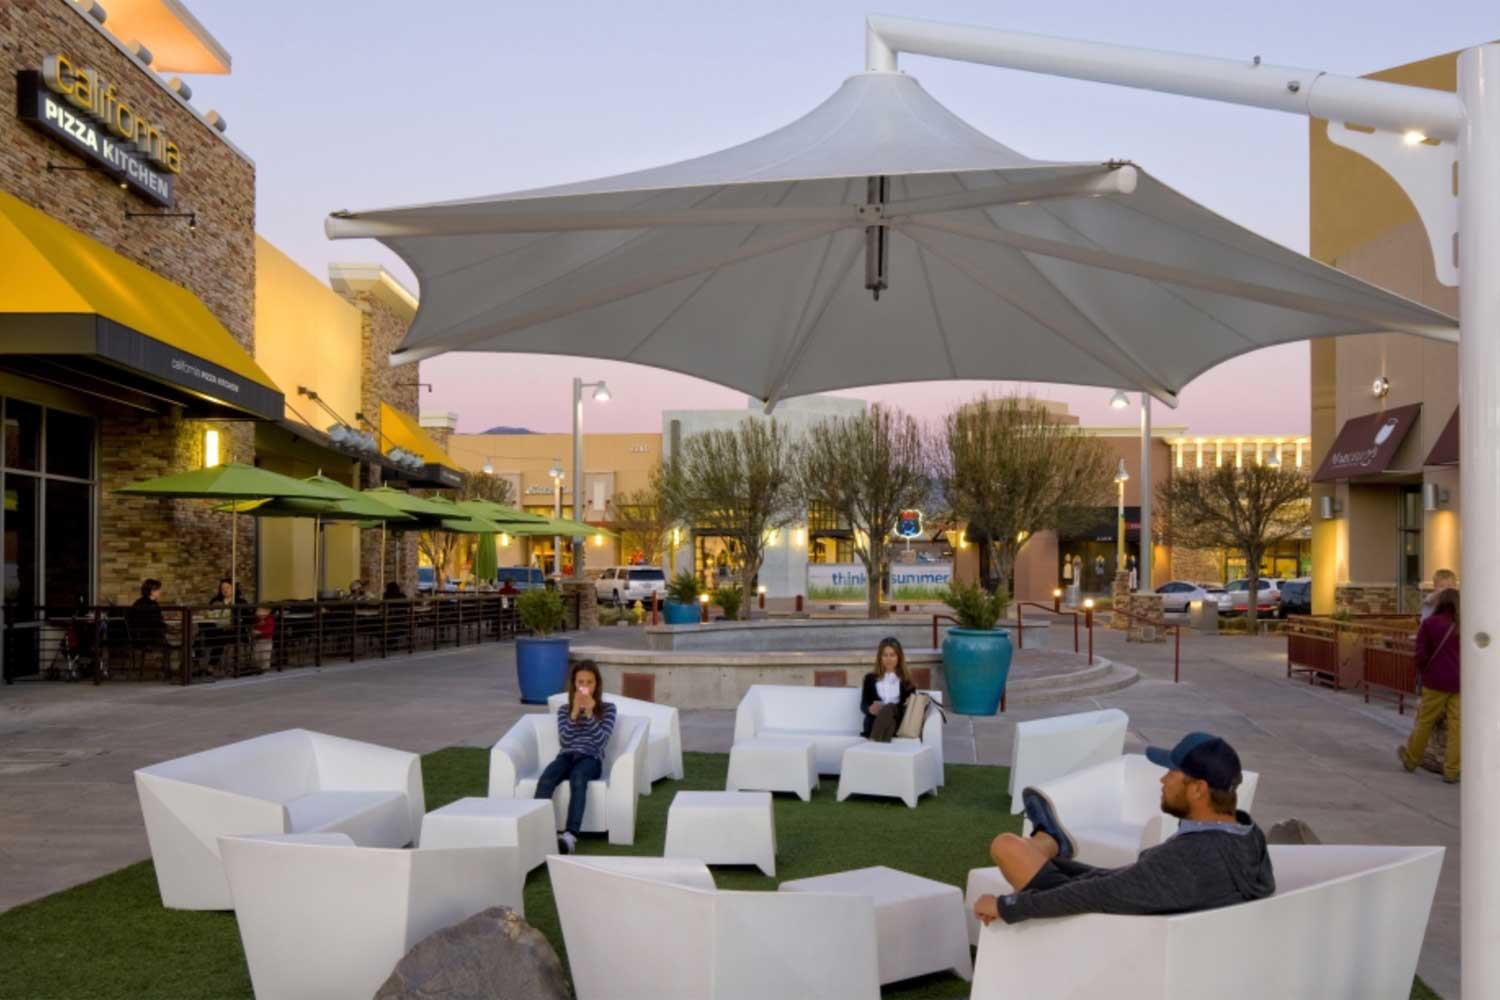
(111, 938)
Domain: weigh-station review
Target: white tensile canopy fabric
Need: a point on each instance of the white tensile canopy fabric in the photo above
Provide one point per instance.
(758, 267)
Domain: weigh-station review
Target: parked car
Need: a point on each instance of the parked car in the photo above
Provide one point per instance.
(622, 585)
(520, 577)
(1179, 594)
(1296, 597)
(1235, 599)
(425, 577)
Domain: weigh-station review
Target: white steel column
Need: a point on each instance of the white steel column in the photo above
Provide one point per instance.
(1143, 561)
(1479, 465)
(575, 544)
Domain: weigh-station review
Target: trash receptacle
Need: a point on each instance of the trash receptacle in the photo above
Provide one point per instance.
(1203, 616)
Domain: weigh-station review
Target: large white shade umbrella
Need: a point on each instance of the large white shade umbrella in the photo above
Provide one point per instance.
(877, 239)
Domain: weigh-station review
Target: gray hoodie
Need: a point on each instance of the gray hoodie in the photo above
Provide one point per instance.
(1201, 870)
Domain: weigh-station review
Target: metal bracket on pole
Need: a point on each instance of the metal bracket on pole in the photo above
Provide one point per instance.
(1426, 170)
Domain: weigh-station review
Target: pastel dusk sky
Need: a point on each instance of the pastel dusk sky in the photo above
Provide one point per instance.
(386, 102)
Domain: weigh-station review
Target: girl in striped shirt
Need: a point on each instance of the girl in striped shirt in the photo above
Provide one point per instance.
(584, 726)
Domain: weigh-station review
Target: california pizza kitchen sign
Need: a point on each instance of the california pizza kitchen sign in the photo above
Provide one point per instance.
(82, 110)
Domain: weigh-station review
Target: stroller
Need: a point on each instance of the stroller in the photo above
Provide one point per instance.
(77, 653)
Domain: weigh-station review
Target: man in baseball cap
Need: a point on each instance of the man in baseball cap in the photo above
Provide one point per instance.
(1216, 858)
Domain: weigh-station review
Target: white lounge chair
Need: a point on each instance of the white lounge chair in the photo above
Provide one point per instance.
(664, 753)
(322, 919)
(517, 761)
(827, 717)
(293, 781)
(658, 929)
(1044, 749)
(1345, 922)
(1113, 810)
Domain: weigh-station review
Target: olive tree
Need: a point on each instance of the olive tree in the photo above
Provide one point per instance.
(643, 523)
(865, 469)
(737, 483)
(1248, 509)
(1009, 470)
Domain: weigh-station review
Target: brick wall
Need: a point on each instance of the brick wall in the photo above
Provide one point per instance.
(183, 543)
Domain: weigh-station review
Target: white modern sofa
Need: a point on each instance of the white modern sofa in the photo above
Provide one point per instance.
(293, 781)
(1345, 922)
(322, 919)
(1113, 810)
(657, 929)
(664, 742)
(1044, 749)
(827, 717)
(517, 761)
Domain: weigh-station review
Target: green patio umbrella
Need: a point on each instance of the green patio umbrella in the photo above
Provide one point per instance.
(498, 512)
(485, 562)
(229, 481)
(560, 526)
(408, 504)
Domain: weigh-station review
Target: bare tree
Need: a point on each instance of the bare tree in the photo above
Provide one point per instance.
(737, 483)
(480, 486)
(643, 524)
(865, 470)
(1009, 470)
(1247, 509)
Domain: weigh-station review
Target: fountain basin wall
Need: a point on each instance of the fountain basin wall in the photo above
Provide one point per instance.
(818, 634)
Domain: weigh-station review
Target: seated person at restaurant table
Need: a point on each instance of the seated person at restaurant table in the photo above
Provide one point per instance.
(357, 590)
(1216, 858)
(218, 627)
(145, 622)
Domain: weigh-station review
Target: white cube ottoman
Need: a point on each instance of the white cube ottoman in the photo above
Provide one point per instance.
(899, 770)
(773, 765)
(919, 923)
(982, 882)
(525, 824)
(723, 828)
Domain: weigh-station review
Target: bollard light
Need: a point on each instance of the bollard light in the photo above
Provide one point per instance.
(703, 608)
(1057, 599)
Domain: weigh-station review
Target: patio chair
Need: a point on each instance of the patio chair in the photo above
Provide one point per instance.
(1044, 749)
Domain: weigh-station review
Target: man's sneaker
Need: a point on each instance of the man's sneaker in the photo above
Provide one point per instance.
(1043, 816)
(568, 843)
(1405, 758)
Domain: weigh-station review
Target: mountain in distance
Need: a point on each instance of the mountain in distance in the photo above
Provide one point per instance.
(508, 430)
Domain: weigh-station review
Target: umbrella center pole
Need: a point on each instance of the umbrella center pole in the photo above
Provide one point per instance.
(877, 245)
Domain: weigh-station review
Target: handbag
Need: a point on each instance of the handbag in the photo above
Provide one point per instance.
(915, 717)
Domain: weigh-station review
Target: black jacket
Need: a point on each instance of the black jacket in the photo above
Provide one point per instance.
(1190, 872)
(868, 696)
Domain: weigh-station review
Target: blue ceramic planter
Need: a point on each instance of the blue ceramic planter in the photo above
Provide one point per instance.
(977, 663)
(679, 614)
(541, 667)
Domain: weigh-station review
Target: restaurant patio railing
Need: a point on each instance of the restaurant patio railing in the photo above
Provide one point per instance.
(1374, 653)
(187, 644)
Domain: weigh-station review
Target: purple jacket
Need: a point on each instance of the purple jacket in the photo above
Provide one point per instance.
(1437, 658)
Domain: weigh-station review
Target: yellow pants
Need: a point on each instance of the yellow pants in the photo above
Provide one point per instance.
(1431, 708)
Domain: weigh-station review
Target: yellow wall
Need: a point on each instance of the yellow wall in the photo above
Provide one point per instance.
(306, 335)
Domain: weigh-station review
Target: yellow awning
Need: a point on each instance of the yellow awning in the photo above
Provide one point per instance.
(403, 431)
(63, 293)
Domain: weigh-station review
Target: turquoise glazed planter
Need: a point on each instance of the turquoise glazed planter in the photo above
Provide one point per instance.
(977, 663)
(541, 667)
(679, 614)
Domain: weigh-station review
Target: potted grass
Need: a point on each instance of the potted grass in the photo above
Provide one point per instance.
(976, 654)
(681, 607)
(729, 599)
(541, 658)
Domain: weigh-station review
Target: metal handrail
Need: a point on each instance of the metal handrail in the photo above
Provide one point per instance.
(1020, 629)
(1176, 631)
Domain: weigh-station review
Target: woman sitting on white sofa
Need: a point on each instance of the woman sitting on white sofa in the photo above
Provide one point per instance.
(584, 725)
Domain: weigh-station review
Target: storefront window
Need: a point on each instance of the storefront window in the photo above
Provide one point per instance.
(69, 543)
(23, 435)
(21, 540)
(1409, 547)
(836, 549)
(70, 445)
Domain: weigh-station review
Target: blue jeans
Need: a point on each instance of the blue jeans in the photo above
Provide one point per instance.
(578, 769)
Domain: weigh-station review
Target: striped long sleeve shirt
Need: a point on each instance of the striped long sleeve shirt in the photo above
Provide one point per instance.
(585, 735)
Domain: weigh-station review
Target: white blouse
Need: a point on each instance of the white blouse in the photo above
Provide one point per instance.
(889, 688)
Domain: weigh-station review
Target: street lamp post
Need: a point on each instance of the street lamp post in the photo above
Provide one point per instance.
(601, 395)
(1121, 478)
(1119, 401)
(556, 472)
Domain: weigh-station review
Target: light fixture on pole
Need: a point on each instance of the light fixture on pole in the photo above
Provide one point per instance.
(1274, 459)
(1121, 478)
(556, 472)
(1119, 400)
(489, 466)
(601, 395)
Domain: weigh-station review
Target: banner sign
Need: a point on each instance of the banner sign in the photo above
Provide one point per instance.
(85, 113)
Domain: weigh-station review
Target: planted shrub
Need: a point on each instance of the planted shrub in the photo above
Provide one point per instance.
(730, 599)
(541, 611)
(975, 607)
(683, 589)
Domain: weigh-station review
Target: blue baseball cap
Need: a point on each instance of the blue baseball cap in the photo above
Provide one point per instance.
(1202, 756)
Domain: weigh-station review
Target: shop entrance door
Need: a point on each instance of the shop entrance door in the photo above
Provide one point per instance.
(1409, 551)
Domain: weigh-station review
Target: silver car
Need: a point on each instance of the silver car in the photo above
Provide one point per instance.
(623, 585)
(1236, 596)
(1178, 595)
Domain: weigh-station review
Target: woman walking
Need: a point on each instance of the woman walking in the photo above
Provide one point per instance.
(1437, 657)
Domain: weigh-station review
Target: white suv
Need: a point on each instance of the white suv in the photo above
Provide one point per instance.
(622, 585)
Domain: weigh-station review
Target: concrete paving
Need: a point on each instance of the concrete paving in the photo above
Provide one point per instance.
(68, 810)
